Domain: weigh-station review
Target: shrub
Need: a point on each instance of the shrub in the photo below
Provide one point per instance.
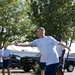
(37, 70)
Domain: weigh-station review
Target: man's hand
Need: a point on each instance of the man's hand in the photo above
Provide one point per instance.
(60, 61)
(15, 43)
(69, 48)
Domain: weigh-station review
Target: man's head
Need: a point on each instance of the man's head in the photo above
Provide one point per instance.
(59, 37)
(40, 32)
(7, 44)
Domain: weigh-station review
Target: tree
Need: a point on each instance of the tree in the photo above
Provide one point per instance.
(14, 21)
(54, 16)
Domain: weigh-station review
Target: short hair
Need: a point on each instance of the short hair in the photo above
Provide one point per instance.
(59, 35)
(42, 28)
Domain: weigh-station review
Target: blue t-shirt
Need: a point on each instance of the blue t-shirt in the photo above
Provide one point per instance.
(7, 52)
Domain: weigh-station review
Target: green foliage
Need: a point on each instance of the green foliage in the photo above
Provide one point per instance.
(20, 18)
(37, 70)
(14, 21)
(56, 16)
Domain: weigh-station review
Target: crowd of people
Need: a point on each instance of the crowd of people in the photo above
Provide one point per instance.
(51, 57)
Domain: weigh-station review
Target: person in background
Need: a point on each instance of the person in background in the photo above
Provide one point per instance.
(1, 58)
(6, 58)
(61, 53)
(46, 46)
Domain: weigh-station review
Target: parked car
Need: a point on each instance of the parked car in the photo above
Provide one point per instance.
(15, 61)
(69, 64)
(28, 63)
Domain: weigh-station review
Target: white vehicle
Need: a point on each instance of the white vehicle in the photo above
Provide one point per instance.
(23, 51)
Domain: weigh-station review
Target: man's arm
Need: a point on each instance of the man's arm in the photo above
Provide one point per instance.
(0, 56)
(64, 46)
(22, 44)
(8, 56)
(63, 53)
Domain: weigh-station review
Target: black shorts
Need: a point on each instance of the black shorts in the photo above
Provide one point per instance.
(6, 63)
(42, 65)
(60, 65)
(1, 65)
(51, 69)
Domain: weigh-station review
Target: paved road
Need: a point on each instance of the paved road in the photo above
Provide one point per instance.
(21, 72)
(69, 73)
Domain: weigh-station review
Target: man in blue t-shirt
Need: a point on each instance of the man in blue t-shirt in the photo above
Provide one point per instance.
(6, 58)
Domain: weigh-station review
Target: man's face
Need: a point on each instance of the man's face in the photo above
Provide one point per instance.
(58, 38)
(39, 33)
(5, 47)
